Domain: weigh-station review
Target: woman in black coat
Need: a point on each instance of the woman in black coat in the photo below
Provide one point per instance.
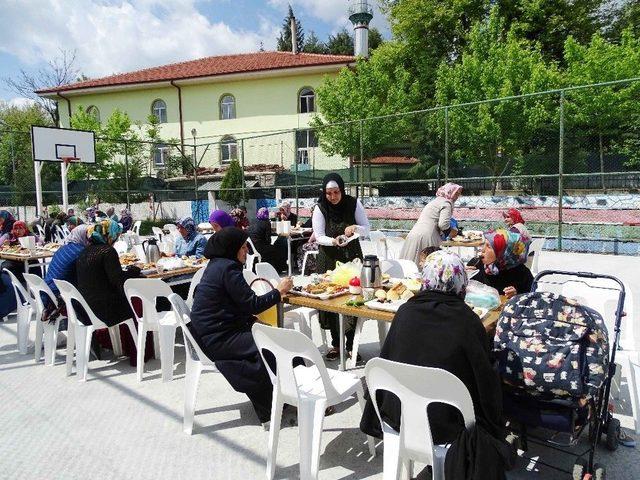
(260, 234)
(437, 329)
(224, 309)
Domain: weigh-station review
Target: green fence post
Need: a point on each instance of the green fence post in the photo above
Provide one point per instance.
(560, 170)
(446, 144)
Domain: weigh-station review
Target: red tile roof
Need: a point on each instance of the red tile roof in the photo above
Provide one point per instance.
(209, 67)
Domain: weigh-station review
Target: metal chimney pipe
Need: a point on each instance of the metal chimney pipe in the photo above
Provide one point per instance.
(294, 36)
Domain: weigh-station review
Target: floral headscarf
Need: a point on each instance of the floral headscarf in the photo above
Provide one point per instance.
(7, 225)
(511, 249)
(444, 272)
(263, 214)
(79, 235)
(105, 232)
(19, 230)
(189, 225)
(240, 217)
(285, 209)
(514, 214)
(449, 191)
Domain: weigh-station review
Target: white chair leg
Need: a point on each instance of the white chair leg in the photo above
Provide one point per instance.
(83, 340)
(356, 343)
(370, 440)
(37, 355)
(439, 455)
(50, 340)
(133, 331)
(383, 329)
(23, 321)
(167, 334)
(274, 430)
(142, 336)
(310, 420)
(156, 344)
(391, 456)
(71, 345)
(192, 377)
(116, 344)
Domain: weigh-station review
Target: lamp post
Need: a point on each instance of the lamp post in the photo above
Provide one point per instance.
(194, 133)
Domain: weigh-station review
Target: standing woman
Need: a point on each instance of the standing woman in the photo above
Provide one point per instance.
(434, 220)
(337, 214)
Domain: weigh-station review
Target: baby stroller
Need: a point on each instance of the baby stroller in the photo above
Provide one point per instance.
(557, 371)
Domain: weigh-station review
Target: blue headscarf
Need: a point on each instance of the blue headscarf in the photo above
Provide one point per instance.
(189, 225)
(105, 232)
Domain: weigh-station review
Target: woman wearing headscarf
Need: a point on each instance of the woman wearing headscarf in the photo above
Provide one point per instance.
(224, 309)
(513, 219)
(73, 222)
(285, 213)
(436, 328)
(126, 220)
(190, 242)
(220, 219)
(434, 220)
(239, 216)
(19, 230)
(336, 216)
(260, 234)
(90, 213)
(503, 262)
(6, 225)
(100, 276)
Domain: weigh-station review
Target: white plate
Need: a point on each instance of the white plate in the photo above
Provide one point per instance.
(351, 239)
(386, 306)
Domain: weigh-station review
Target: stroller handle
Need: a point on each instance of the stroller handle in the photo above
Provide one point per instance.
(577, 274)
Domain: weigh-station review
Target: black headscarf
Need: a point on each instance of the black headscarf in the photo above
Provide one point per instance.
(347, 202)
(226, 243)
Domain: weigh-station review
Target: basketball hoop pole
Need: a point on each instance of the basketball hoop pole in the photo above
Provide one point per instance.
(37, 167)
(64, 166)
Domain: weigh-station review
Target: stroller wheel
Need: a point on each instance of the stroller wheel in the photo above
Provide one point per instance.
(579, 469)
(599, 472)
(613, 431)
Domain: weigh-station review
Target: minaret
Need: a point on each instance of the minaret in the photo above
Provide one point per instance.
(360, 14)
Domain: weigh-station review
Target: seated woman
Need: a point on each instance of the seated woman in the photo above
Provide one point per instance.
(190, 242)
(260, 233)
(19, 229)
(285, 213)
(239, 216)
(513, 219)
(503, 262)
(223, 313)
(6, 225)
(100, 276)
(126, 220)
(73, 221)
(436, 328)
(220, 219)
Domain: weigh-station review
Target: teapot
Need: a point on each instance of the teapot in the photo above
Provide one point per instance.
(371, 275)
(151, 250)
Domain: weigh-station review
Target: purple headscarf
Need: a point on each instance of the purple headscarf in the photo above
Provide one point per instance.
(222, 218)
(263, 214)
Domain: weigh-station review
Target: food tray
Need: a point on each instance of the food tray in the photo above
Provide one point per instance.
(320, 296)
(386, 306)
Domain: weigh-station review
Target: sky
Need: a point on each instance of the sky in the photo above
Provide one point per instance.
(111, 36)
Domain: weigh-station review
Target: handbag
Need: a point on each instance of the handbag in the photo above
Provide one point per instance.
(272, 316)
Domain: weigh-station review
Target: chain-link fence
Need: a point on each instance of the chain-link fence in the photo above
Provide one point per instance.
(568, 159)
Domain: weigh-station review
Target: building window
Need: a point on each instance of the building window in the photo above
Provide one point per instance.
(159, 110)
(94, 113)
(227, 107)
(305, 141)
(307, 100)
(160, 154)
(228, 149)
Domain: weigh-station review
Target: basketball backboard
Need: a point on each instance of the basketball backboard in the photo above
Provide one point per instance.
(51, 144)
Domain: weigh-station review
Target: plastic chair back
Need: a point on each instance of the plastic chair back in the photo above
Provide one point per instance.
(368, 247)
(262, 286)
(142, 256)
(536, 248)
(40, 231)
(38, 286)
(249, 276)
(285, 345)
(394, 247)
(192, 286)
(399, 268)
(417, 387)
(183, 317)
(253, 257)
(157, 232)
(203, 226)
(121, 247)
(23, 299)
(136, 227)
(171, 227)
(266, 270)
(147, 290)
(68, 292)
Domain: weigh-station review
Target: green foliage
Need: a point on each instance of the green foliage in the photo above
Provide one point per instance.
(232, 180)
(341, 43)
(145, 226)
(620, 16)
(284, 40)
(314, 45)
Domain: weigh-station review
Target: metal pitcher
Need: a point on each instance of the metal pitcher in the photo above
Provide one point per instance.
(151, 250)
(371, 275)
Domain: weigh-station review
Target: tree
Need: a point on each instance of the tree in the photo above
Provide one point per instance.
(341, 43)
(284, 40)
(621, 16)
(314, 45)
(59, 71)
(230, 188)
(375, 39)
(496, 136)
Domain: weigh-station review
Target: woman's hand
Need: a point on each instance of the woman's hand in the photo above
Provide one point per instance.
(350, 230)
(285, 285)
(510, 292)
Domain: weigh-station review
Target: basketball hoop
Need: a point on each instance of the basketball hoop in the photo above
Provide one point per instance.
(68, 160)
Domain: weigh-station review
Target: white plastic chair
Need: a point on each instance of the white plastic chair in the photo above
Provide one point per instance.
(48, 330)
(249, 276)
(312, 389)
(82, 333)
(26, 312)
(306, 256)
(158, 233)
(416, 387)
(536, 249)
(203, 226)
(379, 241)
(305, 319)
(195, 280)
(252, 258)
(394, 247)
(197, 361)
(121, 247)
(634, 387)
(139, 250)
(40, 231)
(163, 324)
(368, 248)
(399, 268)
(136, 227)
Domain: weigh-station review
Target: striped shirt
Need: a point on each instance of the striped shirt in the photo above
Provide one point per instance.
(63, 265)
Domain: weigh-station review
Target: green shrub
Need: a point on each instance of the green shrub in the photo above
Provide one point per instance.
(145, 226)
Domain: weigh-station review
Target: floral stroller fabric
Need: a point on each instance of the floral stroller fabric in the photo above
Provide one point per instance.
(550, 347)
